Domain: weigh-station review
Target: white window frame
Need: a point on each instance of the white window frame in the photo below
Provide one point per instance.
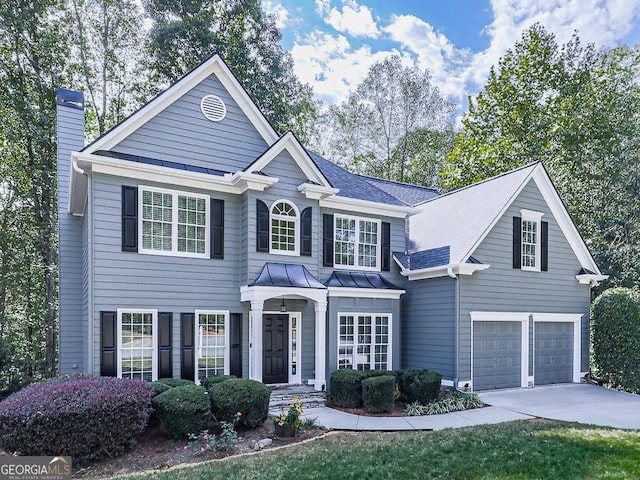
(296, 228)
(356, 265)
(533, 217)
(198, 344)
(174, 252)
(356, 316)
(154, 349)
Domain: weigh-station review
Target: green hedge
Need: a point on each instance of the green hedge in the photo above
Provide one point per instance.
(248, 397)
(615, 336)
(378, 393)
(418, 385)
(175, 382)
(183, 410)
(346, 388)
(211, 381)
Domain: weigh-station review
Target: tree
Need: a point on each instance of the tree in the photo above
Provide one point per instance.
(376, 130)
(32, 62)
(186, 32)
(575, 109)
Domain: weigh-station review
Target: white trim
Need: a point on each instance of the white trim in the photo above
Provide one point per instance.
(576, 319)
(365, 292)
(296, 228)
(244, 181)
(523, 318)
(297, 377)
(316, 192)
(263, 293)
(212, 66)
(590, 279)
(357, 220)
(290, 143)
(174, 252)
(373, 316)
(535, 218)
(451, 269)
(197, 344)
(154, 334)
(367, 207)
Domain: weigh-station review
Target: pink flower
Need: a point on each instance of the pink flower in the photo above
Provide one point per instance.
(206, 437)
(185, 448)
(202, 450)
(239, 414)
(208, 446)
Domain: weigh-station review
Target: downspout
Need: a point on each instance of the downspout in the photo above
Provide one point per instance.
(457, 333)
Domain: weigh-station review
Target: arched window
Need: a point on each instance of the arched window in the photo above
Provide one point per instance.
(284, 228)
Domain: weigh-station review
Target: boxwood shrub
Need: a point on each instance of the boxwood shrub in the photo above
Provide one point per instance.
(346, 387)
(378, 393)
(88, 418)
(418, 385)
(159, 387)
(210, 381)
(249, 397)
(615, 334)
(175, 382)
(183, 410)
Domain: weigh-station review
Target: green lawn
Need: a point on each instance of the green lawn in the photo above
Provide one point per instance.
(518, 450)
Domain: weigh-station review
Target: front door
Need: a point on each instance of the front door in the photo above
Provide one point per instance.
(275, 341)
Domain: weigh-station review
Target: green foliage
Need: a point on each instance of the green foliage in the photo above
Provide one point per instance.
(615, 335)
(175, 382)
(183, 409)
(456, 402)
(159, 387)
(249, 397)
(378, 393)
(89, 418)
(418, 385)
(345, 387)
(210, 381)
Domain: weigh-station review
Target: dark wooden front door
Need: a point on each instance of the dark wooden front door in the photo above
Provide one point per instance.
(275, 357)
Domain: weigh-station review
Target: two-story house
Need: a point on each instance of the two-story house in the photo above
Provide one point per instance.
(195, 240)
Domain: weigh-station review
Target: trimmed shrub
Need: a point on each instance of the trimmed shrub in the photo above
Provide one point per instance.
(346, 388)
(175, 382)
(183, 410)
(88, 418)
(210, 381)
(159, 387)
(378, 393)
(249, 397)
(615, 335)
(422, 386)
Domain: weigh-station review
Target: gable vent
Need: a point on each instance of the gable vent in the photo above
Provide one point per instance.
(213, 108)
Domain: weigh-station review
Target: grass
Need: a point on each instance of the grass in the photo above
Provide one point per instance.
(517, 450)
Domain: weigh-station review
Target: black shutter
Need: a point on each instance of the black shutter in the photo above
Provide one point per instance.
(235, 344)
(517, 242)
(187, 351)
(544, 246)
(165, 362)
(217, 229)
(108, 351)
(386, 246)
(129, 219)
(262, 227)
(327, 240)
(305, 232)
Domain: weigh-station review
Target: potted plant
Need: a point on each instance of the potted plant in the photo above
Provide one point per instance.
(287, 423)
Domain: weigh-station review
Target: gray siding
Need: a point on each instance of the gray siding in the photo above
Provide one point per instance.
(72, 259)
(503, 288)
(429, 326)
(182, 134)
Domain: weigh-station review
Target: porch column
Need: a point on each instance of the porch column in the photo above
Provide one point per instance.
(255, 347)
(320, 382)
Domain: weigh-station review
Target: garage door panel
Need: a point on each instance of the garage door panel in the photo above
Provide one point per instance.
(553, 353)
(496, 354)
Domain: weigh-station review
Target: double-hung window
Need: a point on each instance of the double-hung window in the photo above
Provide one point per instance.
(530, 240)
(137, 340)
(284, 228)
(212, 340)
(364, 341)
(174, 223)
(357, 243)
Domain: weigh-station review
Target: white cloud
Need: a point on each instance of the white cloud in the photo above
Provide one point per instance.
(323, 7)
(278, 10)
(355, 20)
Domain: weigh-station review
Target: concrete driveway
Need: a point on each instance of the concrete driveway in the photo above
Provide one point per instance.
(583, 403)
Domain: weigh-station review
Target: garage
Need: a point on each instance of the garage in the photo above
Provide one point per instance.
(497, 354)
(553, 352)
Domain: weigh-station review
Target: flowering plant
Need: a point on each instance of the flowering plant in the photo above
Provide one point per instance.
(203, 442)
(292, 416)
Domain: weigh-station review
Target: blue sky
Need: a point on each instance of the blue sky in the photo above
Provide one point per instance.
(334, 42)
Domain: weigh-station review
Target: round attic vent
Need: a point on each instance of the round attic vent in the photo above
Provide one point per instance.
(213, 108)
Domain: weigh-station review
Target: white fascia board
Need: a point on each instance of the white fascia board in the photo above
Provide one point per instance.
(450, 270)
(590, 279)
(561, 215)
(316, 192)
(155, 173)
(252, 181)
(355, 206)
(365, 292)
(215, 66)
(291, 144)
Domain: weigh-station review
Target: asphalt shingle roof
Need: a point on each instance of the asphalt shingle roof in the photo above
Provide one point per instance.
(406, 193)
